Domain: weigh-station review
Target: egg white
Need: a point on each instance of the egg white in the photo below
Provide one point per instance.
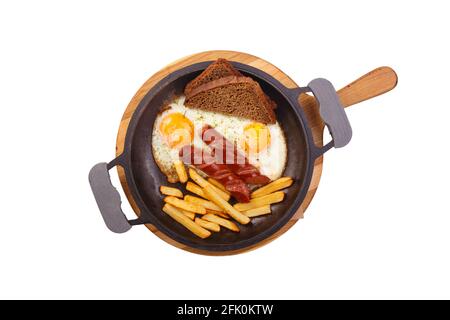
(271, 161)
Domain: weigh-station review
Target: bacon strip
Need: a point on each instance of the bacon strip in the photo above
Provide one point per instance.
(236, 161)
(204, 161)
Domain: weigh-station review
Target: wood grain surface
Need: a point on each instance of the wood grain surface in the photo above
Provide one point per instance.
(372, 84)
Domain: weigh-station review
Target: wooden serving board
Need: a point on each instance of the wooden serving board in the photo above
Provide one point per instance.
(372, 84)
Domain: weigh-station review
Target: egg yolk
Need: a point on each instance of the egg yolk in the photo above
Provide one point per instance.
(256, 137)
(177, 130)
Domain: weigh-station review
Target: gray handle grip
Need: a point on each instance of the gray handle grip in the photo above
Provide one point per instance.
(331, 111)
(108, 199)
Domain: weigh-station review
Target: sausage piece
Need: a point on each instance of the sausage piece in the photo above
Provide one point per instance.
(236, 161)
(204, 161)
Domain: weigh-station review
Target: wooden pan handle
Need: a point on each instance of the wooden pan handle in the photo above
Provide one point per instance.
(372, 84)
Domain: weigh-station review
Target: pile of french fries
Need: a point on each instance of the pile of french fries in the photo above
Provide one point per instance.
(209, 209)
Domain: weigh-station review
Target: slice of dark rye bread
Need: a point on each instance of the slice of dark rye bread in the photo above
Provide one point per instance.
(237, 96)
(216, 70)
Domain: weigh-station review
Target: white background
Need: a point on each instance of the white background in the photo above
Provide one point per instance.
(379, 226)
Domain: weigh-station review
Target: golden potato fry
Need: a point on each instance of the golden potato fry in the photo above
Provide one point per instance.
(276, 185)
(185, 221)
(217, 184)
(224, 195)
(185, 205)
(218, 213)
(202, 202)
(221, 221)
(181, 171)
(202, 183)
(233, 212)
(258, 211)
(188, 214)
(198, 179)
(207, 225)
(169, 191)
(196, 189)
(261, 201)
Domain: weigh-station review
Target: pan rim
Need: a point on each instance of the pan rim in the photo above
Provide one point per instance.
(290, 95)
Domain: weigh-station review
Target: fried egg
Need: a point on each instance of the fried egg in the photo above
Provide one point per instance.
(177, 125)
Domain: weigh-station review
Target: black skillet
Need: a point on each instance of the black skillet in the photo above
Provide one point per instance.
(144, 177)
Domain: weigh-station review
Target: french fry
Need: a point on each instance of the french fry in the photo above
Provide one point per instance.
(181, 171)
(256, 212)
(178, 216)
(182, 204)
(169, 191)
(225, 196)
(196, 189)
(188, 214)
(233, 212)
(276, 185)
(198, 179)
(203, 183)
(261, 201)
(221, 221)
(218, 213)
(217, 184)
(207, 225)
(202, 202)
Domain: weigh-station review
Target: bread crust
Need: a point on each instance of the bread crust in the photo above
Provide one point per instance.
(265, 115)
(216, 70)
